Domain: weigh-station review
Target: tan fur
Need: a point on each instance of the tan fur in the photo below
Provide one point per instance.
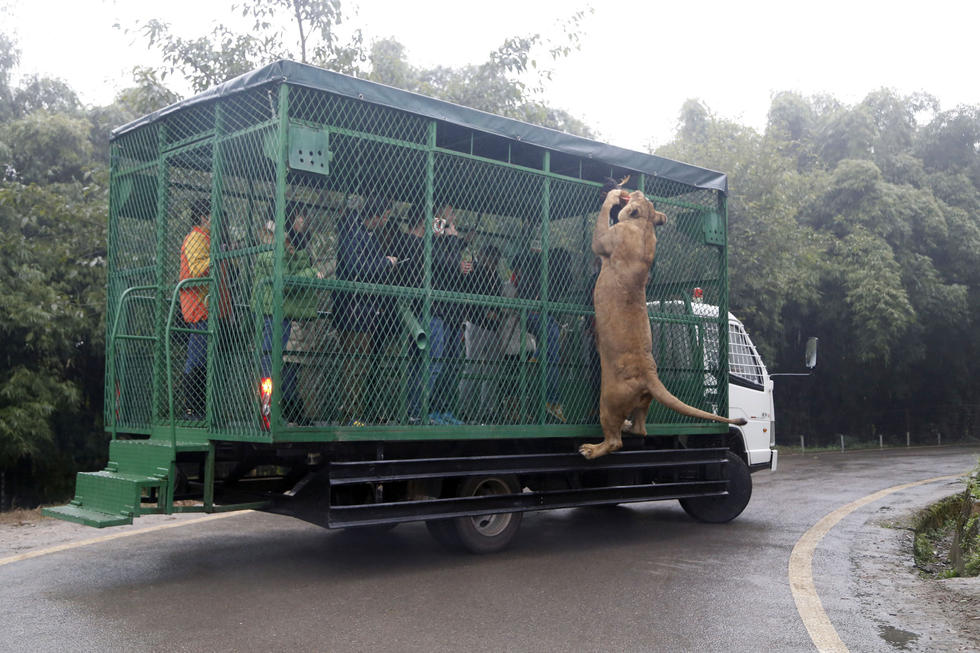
(629, 373)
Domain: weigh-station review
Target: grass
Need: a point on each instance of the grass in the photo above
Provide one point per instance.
(20, 517)
(947, 534)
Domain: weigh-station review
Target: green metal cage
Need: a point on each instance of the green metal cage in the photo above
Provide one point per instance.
(301, 328)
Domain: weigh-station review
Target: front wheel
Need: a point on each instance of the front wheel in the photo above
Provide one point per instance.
(721, 509)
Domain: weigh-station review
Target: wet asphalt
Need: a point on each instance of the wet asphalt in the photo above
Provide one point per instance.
(644, 577)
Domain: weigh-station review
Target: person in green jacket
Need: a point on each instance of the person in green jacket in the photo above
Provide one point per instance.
(298, 303)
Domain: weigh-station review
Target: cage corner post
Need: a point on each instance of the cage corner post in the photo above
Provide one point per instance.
(544, 360)
(279, 255)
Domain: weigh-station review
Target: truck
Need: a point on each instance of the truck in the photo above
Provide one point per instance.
(304, 362)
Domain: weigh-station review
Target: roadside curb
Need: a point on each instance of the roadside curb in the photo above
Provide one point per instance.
(911, 612)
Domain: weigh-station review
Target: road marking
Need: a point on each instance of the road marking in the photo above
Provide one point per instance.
(115, 536)
(808, 604)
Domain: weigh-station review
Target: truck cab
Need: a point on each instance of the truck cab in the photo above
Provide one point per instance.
(686, 332)
(750, 396)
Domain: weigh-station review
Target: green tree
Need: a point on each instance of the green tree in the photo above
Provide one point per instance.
(53, 201)
(147, 95)
(951, 142)
(771, 256)
(45, 94)
(303, 30)
(46, 148)
(861, 226)
(495, 86)
(52, 274)
(877, 311)
(9, 58)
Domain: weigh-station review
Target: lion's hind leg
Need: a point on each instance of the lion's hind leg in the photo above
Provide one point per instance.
(611, 417)
(639, 417)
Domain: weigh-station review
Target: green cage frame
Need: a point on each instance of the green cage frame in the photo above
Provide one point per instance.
(291, 139)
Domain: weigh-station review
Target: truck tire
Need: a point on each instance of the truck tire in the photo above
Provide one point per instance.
(374, 530)
(444, 532)
(718, 510)
(488, 533)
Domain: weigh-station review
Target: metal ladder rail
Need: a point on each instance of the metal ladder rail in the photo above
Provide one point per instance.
(168, 331)
(115, 336)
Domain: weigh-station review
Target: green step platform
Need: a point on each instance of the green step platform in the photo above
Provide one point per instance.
(112, 497)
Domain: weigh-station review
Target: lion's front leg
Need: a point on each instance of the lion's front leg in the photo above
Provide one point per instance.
(600, 235)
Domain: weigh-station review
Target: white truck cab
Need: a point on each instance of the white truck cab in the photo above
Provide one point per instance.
(750, 396)
(750, 386)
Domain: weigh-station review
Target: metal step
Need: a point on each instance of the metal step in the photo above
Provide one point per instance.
(85, 516)
(113, 492)
(113, 496)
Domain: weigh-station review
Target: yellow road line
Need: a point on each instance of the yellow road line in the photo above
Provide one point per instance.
(116, 536)
(822, 632)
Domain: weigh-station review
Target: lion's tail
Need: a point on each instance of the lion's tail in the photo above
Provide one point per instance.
(664, 397)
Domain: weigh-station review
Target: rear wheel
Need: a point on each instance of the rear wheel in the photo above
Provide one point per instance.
(444, 532)
(373, 530)
(480, 533)
(488, 533)
(721, 509)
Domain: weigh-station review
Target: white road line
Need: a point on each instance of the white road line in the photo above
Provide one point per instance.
(822, 632)
(116, 536)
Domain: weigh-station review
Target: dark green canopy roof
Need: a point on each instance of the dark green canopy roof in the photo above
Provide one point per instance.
(325, 80)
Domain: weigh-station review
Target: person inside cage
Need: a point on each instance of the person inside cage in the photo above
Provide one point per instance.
(478, 387)
(195, 262)
(359, 317)
(298, 303)
(527, 281)
(445, 321)
(589, 343)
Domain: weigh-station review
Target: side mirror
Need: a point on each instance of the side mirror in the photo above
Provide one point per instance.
(811, 353)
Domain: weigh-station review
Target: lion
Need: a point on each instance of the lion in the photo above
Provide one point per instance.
(629, 379)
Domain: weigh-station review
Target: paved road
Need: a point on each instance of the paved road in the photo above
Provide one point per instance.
(640, 578)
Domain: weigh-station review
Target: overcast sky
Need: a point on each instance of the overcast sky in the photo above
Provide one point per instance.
(638, 62)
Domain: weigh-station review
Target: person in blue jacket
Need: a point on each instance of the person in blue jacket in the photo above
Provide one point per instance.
(358, 316)
(445, 320)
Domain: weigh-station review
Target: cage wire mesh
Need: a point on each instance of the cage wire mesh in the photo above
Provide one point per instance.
(370, 267)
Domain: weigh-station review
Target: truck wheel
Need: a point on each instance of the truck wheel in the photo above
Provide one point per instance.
(374, 530)
(488, 533)
(444, 532)
(718, 510)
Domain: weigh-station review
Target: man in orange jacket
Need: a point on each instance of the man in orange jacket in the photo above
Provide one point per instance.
(195, 261)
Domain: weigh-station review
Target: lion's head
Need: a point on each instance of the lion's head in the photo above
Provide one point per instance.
(638, 207)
